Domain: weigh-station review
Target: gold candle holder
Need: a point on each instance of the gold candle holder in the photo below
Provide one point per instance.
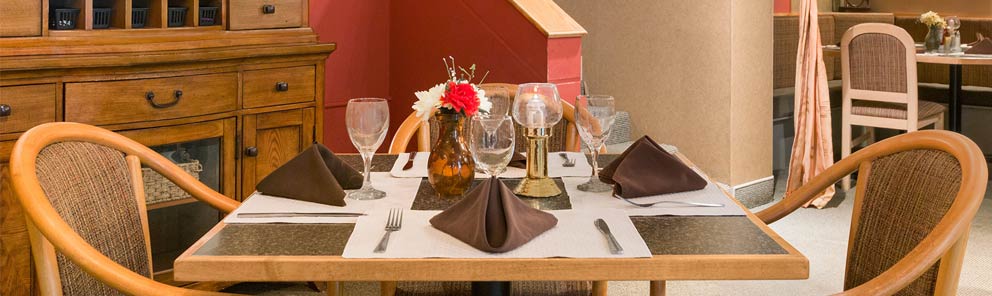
(537, 183)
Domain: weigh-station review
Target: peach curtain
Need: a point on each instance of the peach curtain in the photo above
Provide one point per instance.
(812, 150)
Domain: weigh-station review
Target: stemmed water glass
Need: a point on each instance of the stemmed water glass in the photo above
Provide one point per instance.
(594, 116)
(367, 120)
(492, 142)
(499, 96)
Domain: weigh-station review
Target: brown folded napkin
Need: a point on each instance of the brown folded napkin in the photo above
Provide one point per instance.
(982, 47)
(315, 175)
(645, 169)
(518, 160)
(492, 219)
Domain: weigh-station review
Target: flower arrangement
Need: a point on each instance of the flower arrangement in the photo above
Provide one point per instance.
(932, 19)
(457, 94)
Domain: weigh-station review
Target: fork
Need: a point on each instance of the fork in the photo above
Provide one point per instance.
(648, 205)
(569, 162)
(393, 223)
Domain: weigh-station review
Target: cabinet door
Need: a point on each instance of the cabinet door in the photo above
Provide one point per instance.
(271, 139)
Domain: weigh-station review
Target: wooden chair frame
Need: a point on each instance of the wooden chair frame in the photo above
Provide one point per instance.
(910, 98)
(50, 233)
(412, 127)
(946, 242)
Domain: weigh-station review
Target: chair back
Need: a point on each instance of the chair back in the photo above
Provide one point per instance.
(878, 64)
(916, 196)
(82, 192)
(564, 136)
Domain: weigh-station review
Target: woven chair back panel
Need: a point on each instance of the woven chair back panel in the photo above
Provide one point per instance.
(555, 143)
(90, 187)
(907, 194)
(878, 63)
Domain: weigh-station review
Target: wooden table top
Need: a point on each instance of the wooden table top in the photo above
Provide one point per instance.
(684, 248)
(969, 59)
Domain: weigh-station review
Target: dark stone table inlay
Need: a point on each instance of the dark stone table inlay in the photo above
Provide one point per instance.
(427, 198)
(687, 235)
(278, 240)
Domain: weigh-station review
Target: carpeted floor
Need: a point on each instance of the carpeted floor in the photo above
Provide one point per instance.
(821, 235)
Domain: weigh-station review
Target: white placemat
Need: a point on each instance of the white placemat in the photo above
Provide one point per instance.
(575, 236)
(555, 167)
(582, 200)
(398, 195)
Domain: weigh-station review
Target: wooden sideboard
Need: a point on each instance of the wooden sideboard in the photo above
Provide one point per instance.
(236, 86)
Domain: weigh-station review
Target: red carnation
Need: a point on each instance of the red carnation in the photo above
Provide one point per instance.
(461, 97)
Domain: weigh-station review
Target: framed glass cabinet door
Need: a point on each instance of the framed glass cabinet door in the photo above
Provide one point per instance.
(176, 219)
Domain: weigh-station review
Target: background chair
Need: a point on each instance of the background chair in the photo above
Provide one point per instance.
(915, 199)
(81, 189)
(564, 135)
(878, 64)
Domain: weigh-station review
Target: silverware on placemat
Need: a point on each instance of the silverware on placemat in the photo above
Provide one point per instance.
(569, 162)
(297, 214)
(393, 223)
(686, 203)
(409, 162)
(615, 247)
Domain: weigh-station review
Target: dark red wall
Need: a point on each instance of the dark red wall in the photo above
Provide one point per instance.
(392, 49)
(360, 65)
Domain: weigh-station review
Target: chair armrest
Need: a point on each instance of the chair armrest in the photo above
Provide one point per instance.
(811, 189)
(185, 181)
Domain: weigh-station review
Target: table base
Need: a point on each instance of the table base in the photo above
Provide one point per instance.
(491, 288)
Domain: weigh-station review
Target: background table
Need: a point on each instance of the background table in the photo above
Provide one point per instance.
(684, 248)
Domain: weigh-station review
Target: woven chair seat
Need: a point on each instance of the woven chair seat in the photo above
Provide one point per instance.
(518, 288)
(895, 111)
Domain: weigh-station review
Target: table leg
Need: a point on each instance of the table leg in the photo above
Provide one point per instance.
(599, 288)
(955, 98)
(387, 288)
(490, 288)
(334, 289)
(657, 288)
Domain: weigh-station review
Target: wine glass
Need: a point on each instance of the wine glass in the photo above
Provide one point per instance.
(499, 96)
(367, 120)
(492, 142)
(594, 116)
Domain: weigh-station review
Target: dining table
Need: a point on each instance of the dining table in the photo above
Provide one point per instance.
(739, 247)
(955, 62)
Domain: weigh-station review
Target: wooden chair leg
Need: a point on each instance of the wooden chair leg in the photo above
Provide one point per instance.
(599, 288)
(845, 150)
(657, 288)
(387, 288)
(939, 125)
(334, 289)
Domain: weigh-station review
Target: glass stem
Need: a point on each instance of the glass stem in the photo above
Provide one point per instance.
(367, 159)
(595, 161)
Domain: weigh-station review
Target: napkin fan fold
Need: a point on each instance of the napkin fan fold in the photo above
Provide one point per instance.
(983, 46)
(314, 175)
(646, 169)
(492, 219)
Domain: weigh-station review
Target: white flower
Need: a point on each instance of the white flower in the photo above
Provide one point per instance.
(484, 104)
(428, 100)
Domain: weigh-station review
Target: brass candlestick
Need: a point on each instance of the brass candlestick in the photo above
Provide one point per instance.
(537, 183)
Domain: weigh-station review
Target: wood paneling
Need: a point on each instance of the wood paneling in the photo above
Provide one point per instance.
(125, 101)
(16, 271)
(30, 105)
(261, 87)
(248, 14)
(20, 18)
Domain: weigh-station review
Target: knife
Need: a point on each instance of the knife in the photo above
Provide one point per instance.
(409, 162)
(615, 247)
(296, 214)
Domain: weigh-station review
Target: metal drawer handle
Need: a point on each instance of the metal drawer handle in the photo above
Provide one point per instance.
(282, 86)
(268, 9)
(5, 110)
(251, 151)
(150, 96)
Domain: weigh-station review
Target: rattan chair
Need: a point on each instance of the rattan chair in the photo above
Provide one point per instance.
(564, 136)
(915, 199)
(878, 64)
(80, 187)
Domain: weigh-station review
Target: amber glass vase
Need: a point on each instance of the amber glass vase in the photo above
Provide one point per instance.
(450, 168)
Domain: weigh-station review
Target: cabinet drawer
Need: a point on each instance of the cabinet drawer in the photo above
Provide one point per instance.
(26, 106)
(111, 102)
(266, 14)
(20, 18)
(278, 86)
